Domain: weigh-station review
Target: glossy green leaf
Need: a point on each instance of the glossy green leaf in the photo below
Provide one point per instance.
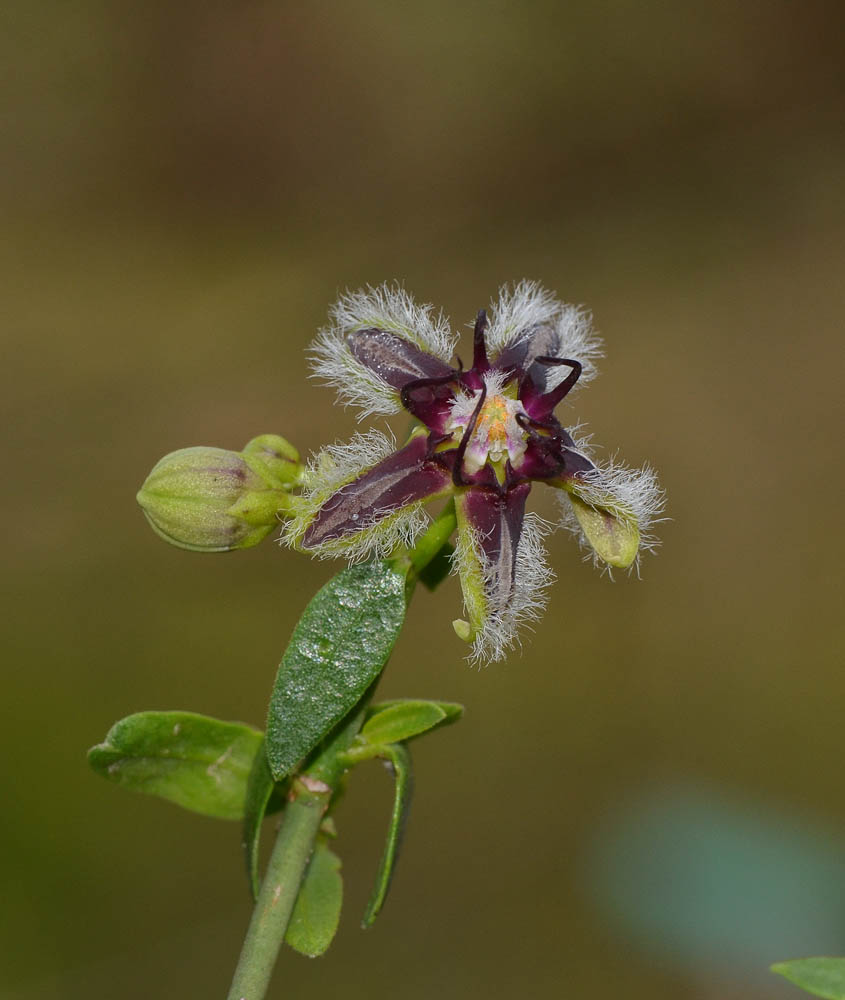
(395, 722)
(317, 909)
(337, 649)
(400, 762)
(199, 763)
(823, 977)
(259, 791)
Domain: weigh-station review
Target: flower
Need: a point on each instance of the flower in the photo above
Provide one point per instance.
(214, 500)
(484, 435)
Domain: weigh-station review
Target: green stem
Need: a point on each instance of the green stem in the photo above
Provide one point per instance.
(413, 562)
(310, 797)
(290, 857)
(435, 538)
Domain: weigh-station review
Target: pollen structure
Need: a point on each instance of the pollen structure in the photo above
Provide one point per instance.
(497, 434)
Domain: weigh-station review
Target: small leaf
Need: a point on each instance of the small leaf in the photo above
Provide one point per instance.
(395, 722)
(199, 763)
(316, 911)
(338, 648)
(453, 709)
(400, 761)
(259, 790)
(823, 977)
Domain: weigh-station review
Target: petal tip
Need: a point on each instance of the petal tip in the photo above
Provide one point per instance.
(612, 511)
(463, 630)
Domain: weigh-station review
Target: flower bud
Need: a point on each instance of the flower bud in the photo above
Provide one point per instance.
(211, 500)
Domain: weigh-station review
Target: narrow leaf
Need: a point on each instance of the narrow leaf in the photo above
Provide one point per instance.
(823, 977)
(199, 763)
(258, 792)
(317, 909)
(402, 720)
(452, 709)
(400, 762)
(338, 648)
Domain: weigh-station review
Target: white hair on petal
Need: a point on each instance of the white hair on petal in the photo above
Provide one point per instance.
(463, 404)
(465, 401)
(519, 308)
(578, 341)
(386, 307)
(581, 438)
(515, 608)
(355, 384)
(494, 383)
(334, 467)
(625, 493)
(390, 307)
(527, 305)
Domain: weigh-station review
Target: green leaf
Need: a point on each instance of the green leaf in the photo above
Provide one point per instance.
(317, 909)
(199, 763)
(823, 977)
(337, 649)
(397, 721)
(400, 761)
(259, 790)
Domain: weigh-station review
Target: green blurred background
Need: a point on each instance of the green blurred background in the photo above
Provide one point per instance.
(186, 188)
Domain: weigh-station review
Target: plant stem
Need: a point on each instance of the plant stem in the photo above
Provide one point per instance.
(414, 561)
(310, 796)
(308, 800)
(290, 857)
(435, 537)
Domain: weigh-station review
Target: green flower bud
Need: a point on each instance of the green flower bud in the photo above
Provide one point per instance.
(274, 459)
(212, 500)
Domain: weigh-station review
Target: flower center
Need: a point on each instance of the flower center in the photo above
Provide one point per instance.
(497, 435)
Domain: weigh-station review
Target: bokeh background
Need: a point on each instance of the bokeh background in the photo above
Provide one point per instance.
(648, 800)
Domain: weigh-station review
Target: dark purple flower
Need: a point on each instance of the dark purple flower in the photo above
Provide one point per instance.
(485, 434)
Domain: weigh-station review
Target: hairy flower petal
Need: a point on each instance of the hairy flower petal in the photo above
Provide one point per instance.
(371, 512)
(501, 563)
(390, 310)
(520, 309)
(393, 359)
(528, 322)
(612, 510)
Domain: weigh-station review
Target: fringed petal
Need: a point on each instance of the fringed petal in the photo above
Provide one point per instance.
(529, 323)
(521, 309)
(612, 510)
(500, 560)
(367, 371)
(393, 359)
(364, 498)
